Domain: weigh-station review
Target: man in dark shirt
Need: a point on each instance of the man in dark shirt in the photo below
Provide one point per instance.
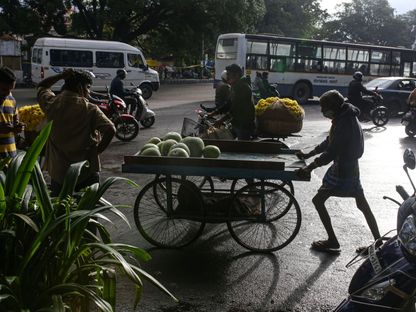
(241, 104)
(344, 146)
(356, 91)
(117, 88)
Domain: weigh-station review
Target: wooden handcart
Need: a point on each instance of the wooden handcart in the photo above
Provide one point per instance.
(249, 187)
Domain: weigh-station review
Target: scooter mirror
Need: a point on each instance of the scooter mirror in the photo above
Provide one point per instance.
(409, 158)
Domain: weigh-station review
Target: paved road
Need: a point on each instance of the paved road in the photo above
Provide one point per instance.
(215, 273)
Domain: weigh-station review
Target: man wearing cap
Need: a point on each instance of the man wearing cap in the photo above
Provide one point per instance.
(241, 111)
(80, 131)
(343, 147)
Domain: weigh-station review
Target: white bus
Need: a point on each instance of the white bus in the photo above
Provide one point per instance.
(306, 68)
(103, 58)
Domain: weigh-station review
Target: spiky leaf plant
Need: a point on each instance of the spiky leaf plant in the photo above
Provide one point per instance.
(55, 253)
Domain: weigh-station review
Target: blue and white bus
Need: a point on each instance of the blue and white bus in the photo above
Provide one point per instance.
(305, 68)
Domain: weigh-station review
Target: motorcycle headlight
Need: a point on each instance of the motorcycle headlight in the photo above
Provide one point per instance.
(378, 291)
(407, 235)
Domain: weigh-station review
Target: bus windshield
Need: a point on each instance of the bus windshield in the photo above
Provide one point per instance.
(227, 49)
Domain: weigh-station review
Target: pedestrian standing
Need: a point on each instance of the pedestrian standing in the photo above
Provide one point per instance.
(80, 130)
(9, 121)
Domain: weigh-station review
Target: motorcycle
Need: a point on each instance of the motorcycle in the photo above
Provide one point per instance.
(386, 280)
(127, 127)
(378, 113)
(143, 113)
(409, 121)
(272, 92)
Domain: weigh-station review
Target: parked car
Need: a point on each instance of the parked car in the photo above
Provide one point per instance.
(394, 90)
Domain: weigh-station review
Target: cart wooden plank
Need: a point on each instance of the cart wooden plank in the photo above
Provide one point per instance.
(239, 159)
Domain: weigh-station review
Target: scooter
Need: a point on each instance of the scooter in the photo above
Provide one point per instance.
(127, 127)
(378, 113)
(386, 280)
(409, 121)
(143, 113)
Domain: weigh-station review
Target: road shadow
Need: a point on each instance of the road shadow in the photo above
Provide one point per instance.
(293, 299)
(408, 142)
(375, 129)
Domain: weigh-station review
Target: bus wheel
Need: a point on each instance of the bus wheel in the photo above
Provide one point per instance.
(302, 92)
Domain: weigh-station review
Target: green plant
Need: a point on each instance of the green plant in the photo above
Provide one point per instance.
(55, 253)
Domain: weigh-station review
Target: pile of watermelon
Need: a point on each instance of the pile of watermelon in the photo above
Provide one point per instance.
(172, 144)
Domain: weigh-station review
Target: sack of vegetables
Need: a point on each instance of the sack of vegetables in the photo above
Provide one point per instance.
(279, 116)
(34, 119)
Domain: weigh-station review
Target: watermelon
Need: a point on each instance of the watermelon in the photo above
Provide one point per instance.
(181, 145)
(195, 145)
(166, 146)
(211, 151)
(172, 135)
(151, 151)
(178, 152)
(154, 140)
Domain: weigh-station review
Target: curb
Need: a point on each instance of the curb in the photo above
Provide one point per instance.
(185, 81)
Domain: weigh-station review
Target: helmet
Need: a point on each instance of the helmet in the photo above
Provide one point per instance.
(358, 75)
(224, 75)
(121, 73)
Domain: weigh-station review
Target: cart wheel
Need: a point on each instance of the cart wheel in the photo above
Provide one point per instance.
(240, 183)
(163, 226)
(270, 231)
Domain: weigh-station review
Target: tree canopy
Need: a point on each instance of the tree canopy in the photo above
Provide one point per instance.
(187, 29)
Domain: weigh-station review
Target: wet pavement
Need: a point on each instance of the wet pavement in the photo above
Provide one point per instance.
(215, 273)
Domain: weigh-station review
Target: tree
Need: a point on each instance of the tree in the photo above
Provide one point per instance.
(410, 20)
(160, 26)
(33, 17)
(292, 18)
(367, 21)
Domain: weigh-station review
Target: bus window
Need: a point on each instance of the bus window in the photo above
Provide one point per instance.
(334, 67)
(71, 58)
(358, 55)
(278, 65)
(227, 49)
(378, 56)
(109, 59)
(256, 62)
(282, 49)
(135, 60)
(334, 53)
(407, 69)
(256, 47)
(380, 69)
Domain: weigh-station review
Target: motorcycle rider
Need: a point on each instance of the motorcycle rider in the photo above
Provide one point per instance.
(259, 87)
(271, 90)
(356, 90)
(412, 99)
(241, 109)
(222, 94)
(117, 88)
